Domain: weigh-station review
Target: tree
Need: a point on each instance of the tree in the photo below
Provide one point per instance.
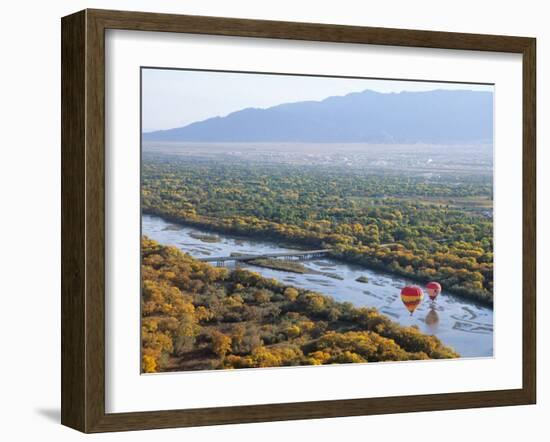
(148, 364)
(291, 294)
(262, 296)
(221, 344)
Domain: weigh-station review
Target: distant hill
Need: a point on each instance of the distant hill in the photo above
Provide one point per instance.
(439, 116)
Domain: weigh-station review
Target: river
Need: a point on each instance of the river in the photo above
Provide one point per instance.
(462, 324)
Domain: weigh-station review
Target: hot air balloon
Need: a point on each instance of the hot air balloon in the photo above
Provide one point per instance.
(411, 296)
(433, 288)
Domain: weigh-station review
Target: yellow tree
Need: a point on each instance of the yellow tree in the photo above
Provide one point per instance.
(221, 344)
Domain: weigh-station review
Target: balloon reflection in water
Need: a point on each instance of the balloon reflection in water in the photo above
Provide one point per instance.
(432, 318)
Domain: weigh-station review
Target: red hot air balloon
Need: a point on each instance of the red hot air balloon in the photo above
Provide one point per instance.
(411, 296)
(434, 289)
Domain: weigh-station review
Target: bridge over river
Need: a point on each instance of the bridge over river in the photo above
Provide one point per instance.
(237, 257)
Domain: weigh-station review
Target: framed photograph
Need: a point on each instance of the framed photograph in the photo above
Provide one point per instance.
(267, 220)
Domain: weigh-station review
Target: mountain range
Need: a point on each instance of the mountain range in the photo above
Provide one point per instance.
(438, 117)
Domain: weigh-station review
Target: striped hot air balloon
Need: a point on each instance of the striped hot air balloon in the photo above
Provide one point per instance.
(411, 296)
(434, 289)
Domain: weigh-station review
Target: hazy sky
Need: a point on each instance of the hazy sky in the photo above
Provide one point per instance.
(175, 98)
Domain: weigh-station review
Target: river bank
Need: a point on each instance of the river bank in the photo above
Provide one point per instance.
(465, 325)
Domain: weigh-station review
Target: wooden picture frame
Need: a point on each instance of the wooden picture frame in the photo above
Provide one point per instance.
(83, 220)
